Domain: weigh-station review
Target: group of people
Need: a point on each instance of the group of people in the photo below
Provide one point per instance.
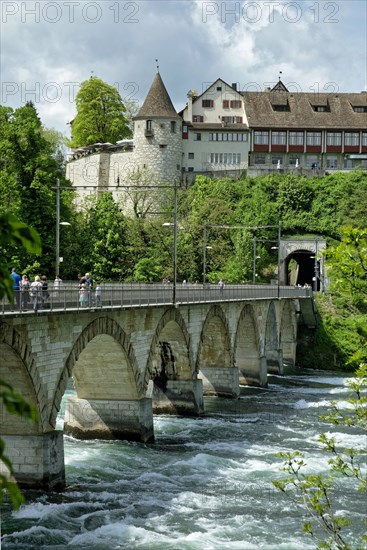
(88, 295)
(24, 291)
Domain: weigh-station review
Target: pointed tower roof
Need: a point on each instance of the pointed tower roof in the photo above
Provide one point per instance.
(158, 103)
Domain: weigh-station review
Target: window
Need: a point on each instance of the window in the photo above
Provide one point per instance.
(163, 146)
(173, 126)
(190, 169)
(236, 104)
(261, 138)
(191, 155)
(293, 160)
(198, 118)
(224, 158)
(225, 104)
(313, 138)
(281, 108)
(149, 126)
(197, 137)
(277, 159)
(259, 159)
(295, 138)
(331, 161)
(207, 103)
(322, 108)
(278, 138)
(351, 138)
(334, 138)
(311, 161)
(360, 109)
(349, 164)
(219, 88)
(364, 139)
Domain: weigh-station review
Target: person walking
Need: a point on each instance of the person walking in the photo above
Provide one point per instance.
(98, 294)
(36, 293)
(45, 292)
(221, 286)
(16, 285)
(83, 295)
(25, 285)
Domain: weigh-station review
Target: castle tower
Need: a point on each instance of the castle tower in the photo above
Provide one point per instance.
(158, 135)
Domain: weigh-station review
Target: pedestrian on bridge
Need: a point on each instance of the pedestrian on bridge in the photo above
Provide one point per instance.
(36, 292)
(221, 286)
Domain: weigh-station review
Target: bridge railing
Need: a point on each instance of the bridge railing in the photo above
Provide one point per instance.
(117, 295)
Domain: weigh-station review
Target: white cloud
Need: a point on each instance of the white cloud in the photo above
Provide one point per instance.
(196, 41)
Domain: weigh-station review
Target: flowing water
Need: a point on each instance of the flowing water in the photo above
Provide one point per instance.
(204, 484)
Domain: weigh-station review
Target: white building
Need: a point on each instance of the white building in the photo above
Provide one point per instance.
(227, 132)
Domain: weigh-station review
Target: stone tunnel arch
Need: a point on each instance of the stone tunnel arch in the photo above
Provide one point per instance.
(306, 255)
(214, 361)
(251, 366)
(102, 340)
(17, 369)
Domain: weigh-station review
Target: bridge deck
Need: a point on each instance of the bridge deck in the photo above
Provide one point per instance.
(142, 295)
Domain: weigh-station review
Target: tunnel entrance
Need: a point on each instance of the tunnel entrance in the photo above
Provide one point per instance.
(302, 262)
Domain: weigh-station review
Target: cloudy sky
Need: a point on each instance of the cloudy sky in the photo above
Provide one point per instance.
(48, 47)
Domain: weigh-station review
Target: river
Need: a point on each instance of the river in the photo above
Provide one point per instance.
(205, 484)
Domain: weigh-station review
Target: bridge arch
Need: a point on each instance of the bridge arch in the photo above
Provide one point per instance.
(247, 349)
(273, 356)
(170, 379)
(171, 338)
(18, 370)
(214, 359)
(288, 332)
(101, 340)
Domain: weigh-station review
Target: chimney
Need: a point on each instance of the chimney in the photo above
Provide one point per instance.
(234, 86)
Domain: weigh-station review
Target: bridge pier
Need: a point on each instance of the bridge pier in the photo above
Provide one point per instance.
(254, 372)
(38, 460)
(184, 397)
(274, 359)
(109, 419)
(223, 382)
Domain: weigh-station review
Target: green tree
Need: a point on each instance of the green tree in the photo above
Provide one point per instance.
(30, 162)
(101, 114)
(13, 232)
(104, 236)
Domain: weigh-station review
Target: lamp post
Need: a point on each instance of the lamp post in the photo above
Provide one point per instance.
(174, 244)
(58, 223)
(205, 248)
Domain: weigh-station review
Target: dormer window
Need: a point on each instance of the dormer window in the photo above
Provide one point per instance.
(360, 108)
(321, 108)
(281, 108)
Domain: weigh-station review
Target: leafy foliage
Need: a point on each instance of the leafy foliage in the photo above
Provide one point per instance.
(100, 114)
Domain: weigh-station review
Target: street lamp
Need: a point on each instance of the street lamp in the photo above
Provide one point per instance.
(167, 224)
(58, 223)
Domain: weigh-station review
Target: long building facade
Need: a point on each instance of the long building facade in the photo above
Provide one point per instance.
(227, 132)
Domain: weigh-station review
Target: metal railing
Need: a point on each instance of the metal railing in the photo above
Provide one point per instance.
(117, 295)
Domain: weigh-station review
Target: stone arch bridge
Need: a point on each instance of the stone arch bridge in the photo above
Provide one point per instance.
(129, 362)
